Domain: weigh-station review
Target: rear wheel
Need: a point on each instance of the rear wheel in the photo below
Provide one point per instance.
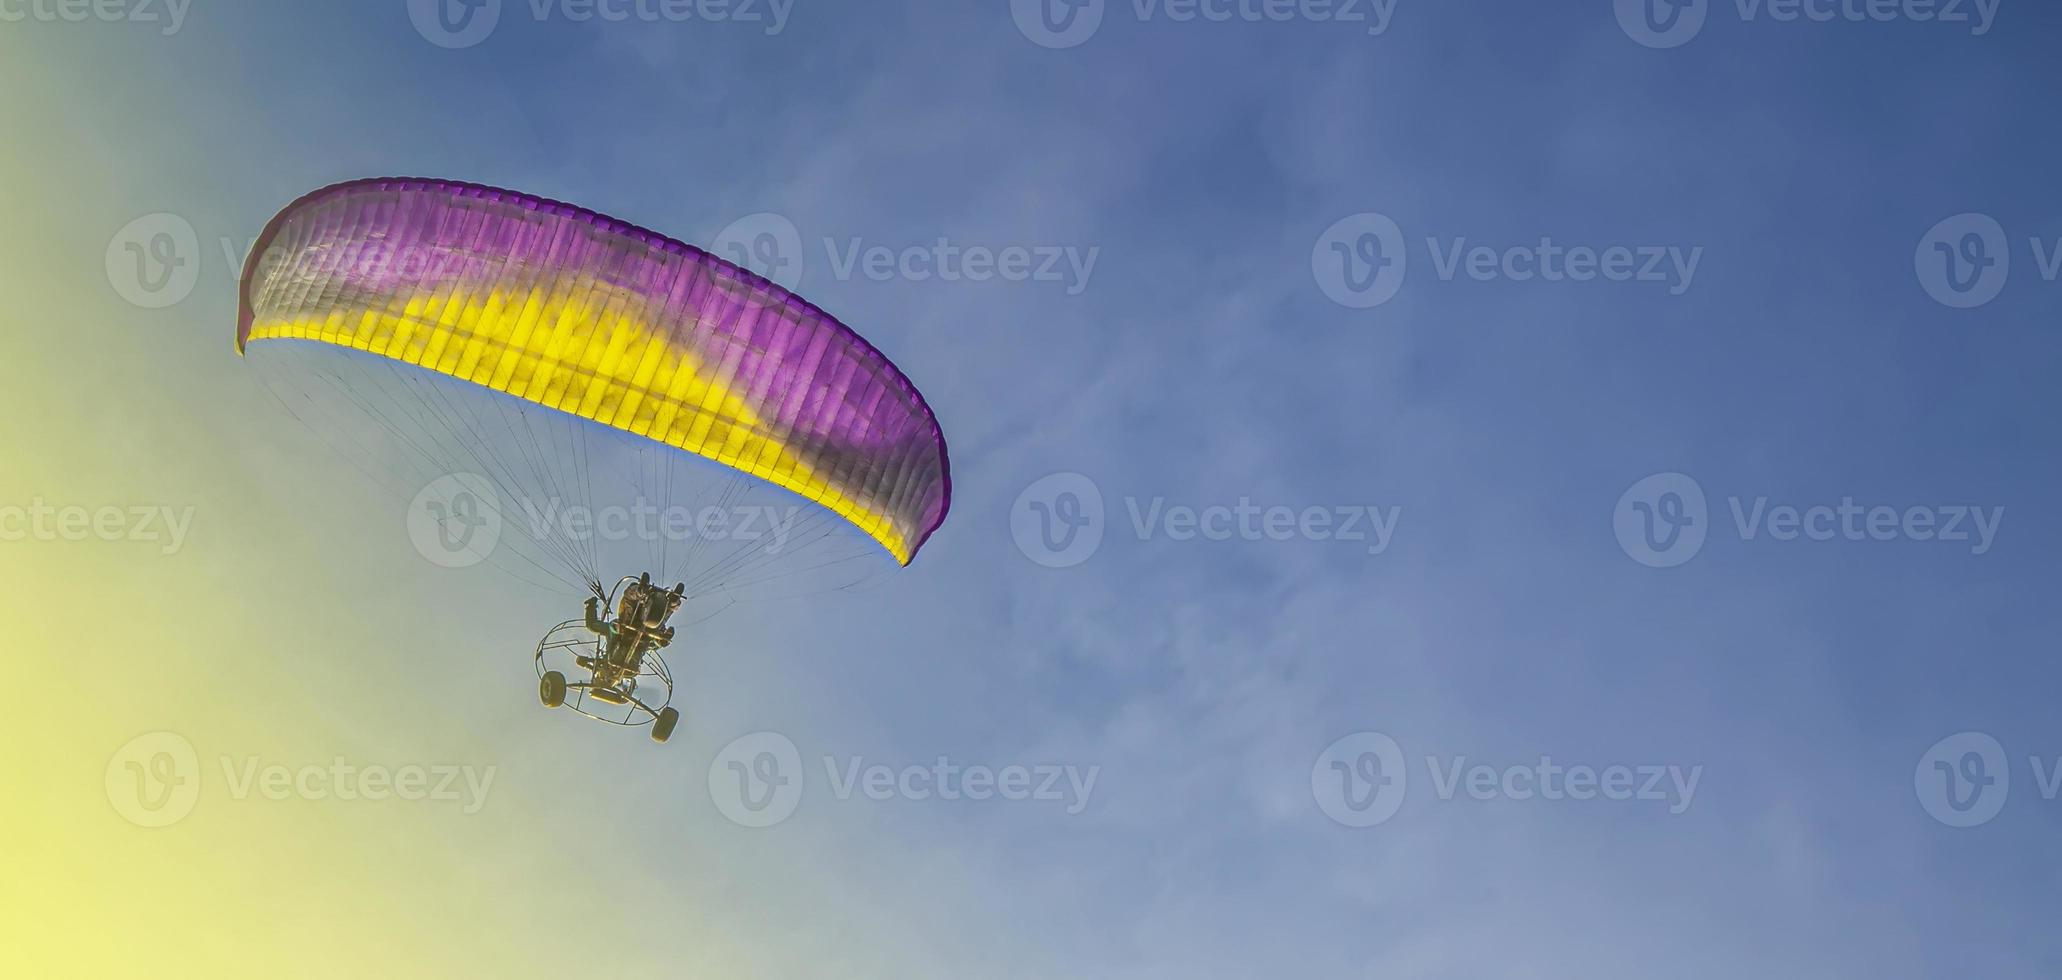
(662, 726)
(551, 689)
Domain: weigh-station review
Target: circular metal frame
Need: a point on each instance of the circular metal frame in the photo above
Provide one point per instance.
(572, 639)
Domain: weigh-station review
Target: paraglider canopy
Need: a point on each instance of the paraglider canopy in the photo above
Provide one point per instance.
(561, 307)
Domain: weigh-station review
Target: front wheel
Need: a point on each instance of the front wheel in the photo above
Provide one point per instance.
(551, 689)
(662, 725)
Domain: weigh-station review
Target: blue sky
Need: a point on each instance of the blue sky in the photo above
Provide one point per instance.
(1202, 361)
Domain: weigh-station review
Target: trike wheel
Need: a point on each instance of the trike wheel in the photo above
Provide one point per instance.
(662, 725)
(551, 689)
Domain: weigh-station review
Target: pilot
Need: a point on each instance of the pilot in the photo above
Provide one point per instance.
(640, 622)
(660, 607)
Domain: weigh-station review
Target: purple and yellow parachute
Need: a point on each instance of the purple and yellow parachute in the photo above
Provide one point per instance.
(561, 307)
